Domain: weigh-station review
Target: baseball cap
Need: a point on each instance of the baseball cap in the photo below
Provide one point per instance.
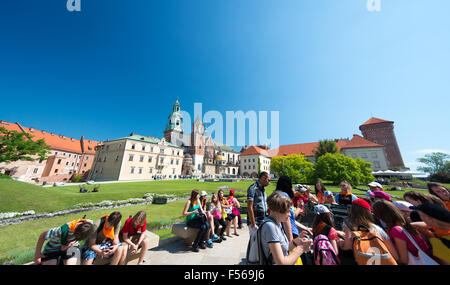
(328, 193)
(403, 205)
(362, 203)
(319, 209)
(435, 211)
(382, 195)
(203, 193)
(375, 184)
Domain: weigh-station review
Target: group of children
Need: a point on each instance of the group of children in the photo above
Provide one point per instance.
(213, 219)
(377, 230)
(105, 238)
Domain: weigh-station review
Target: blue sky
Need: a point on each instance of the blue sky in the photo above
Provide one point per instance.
(327, 66)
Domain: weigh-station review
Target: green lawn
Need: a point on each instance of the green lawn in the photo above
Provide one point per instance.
(21, 197)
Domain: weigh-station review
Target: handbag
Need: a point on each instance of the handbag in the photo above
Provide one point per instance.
(422, 258)
(217, 214)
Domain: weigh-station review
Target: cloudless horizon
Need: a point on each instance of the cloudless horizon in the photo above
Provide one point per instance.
(326, 66)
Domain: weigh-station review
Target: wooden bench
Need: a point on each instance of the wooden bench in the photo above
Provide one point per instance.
(185, 232)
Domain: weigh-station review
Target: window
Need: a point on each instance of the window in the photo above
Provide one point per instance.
(161, 160)
(73, 163)
(173, 152)
(117, 157)
(70, 155)
(141, 158)
(133, 146)
(143, 147)
(151, 149)
(87, 157)
(132, 170)
(161, 151)
(131, 157)
(245, 167)
(151, 170)
(140, 170)
(85, 165)
(59, 161)
(173, 171)
(56, 170)
(67, 163)
(171, 161)
(177, 161)
(149, 159)
(35, 170)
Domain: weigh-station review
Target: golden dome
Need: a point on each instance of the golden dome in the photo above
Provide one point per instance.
(220, 158)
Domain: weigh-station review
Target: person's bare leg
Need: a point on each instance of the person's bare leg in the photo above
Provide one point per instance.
(145, 244)
(117, 256)
(228, 228)
(235, 222)
(125, 250)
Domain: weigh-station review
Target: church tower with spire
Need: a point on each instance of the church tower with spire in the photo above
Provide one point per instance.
(174, 128)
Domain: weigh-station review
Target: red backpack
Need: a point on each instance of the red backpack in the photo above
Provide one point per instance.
(324, 253)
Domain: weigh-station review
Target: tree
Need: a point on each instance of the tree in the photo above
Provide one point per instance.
(295, 166)
(436, 162)
(338, 167)
(16, 145)
(325, 146)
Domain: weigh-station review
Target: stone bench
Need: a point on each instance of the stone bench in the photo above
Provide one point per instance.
(132, 259)
(183, 231)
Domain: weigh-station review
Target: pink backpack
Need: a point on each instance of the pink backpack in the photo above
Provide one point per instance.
(324, 253)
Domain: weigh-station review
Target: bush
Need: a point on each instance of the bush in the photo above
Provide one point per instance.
(442, 177)
(77, 178)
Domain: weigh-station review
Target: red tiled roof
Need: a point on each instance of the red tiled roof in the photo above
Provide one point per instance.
(252, 150)
(358, 141)
(55, 141)
(374, 120)
(307, 149)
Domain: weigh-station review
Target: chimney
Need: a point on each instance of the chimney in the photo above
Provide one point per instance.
(132, 134)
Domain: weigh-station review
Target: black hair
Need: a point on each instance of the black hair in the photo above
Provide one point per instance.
(284, 184)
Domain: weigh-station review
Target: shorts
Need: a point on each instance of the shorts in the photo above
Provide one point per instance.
(88, 253)
(56, 255)
(230, 217)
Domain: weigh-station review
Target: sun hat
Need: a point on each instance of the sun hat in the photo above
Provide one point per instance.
(320, 209)
(300, 188)
(375, 184)
(203, 193)
(362, 203)
(381, 195)
(328, 193)
(403, 205)
(435, 211)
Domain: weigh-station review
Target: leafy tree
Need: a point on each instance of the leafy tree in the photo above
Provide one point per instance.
(338, 167)
(325, 146)
(16, 145)
(366, 170)
(299, 169)
(436, 162)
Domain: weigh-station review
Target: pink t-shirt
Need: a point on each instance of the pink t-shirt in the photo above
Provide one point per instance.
(397, 232)
(332, 235)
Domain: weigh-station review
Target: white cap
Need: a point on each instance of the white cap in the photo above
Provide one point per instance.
(375, 184)
(403, 205)
(300, 188)
(319, 209)
(203, 193)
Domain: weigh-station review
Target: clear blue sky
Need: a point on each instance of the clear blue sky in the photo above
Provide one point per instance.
(327, 66)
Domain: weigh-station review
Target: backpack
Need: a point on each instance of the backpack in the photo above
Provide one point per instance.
(324, 253)
(255, 253)
(370, 249)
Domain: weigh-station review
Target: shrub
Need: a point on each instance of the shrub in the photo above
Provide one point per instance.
(443, 177)
(77, 178)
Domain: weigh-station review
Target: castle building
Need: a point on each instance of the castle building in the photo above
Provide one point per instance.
(68, 156)
(381, 132)
(137, 157)
(202, 156)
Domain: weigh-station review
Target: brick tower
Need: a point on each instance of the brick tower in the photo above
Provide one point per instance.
(382, 132)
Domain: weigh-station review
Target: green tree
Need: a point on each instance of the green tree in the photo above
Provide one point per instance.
(366, 170)
(299, 169)
(325, 146)
(338, 167)
(16, 145)
(435, 162)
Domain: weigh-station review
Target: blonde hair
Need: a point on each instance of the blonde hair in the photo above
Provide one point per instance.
(139, 217)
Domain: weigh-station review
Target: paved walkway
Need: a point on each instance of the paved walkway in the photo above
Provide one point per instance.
(229, 252)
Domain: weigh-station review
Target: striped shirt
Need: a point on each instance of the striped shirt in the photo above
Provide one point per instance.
(54, 239)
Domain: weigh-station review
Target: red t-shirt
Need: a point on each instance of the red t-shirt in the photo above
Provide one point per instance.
(128, 228)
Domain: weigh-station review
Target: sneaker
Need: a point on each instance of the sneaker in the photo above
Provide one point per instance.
(210, 245)
(223, 238)
(202, 246)
(209, 242)
(219, 240)
(215, 237)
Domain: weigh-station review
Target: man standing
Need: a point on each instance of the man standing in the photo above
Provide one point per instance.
(256, 202)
